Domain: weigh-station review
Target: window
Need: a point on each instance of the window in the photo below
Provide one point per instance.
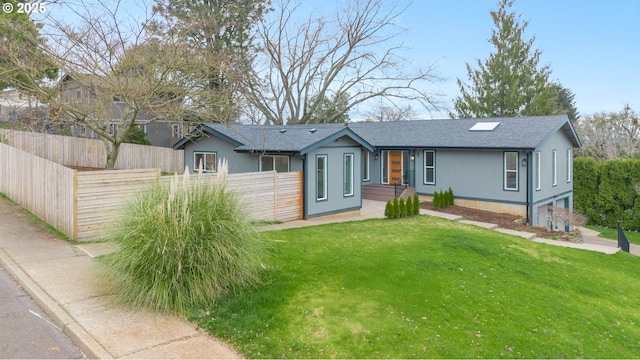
(511, 170)
(554, 167)
(274, 162)
(429, 167)
(537, 174)
(321, 177)
(569, 165)
(78, 94)
(113, 129)
(385, 166)
(205, 159)
(348, 175)
(117, 99)
(365, 166)
(83, 130)
(176, 130)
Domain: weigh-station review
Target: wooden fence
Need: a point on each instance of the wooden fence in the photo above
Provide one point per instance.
(41, 186)
(91, 153)
(83, 204)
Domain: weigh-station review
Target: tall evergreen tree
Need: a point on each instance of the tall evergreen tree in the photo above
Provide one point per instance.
(566, 102)
(220, 33)
(509, 82)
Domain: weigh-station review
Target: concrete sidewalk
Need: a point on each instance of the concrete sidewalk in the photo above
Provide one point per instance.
(61, 278)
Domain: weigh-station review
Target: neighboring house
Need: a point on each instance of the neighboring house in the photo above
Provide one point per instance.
(18, 108)
(160, 133)
(508, 165)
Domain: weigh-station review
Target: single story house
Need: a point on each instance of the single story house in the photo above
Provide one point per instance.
(329, 158)
(510, 165)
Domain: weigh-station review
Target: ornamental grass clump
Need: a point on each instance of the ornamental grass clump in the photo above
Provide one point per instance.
(183, 245)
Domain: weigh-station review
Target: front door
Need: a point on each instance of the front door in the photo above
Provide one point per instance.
(395, 167)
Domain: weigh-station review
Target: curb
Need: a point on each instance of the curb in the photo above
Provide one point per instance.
(87, 344)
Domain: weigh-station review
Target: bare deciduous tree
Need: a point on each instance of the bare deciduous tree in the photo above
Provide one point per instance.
(557, 215)
(125, 74)
(354, 54)
(392, 112)
(607, 136)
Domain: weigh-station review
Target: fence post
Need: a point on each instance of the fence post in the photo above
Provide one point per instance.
(623, 243)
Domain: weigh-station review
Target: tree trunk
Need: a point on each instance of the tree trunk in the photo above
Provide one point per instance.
(113, 149)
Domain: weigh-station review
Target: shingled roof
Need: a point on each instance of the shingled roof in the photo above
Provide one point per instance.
(511, 133)
(525, 133)
(298, 139)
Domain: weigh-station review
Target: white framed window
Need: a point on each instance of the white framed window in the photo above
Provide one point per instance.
(176, 130)
(348, 175)
(569, 165)
(429, 167)
(321, 177)
(113, 129)
(384, 166)
(537, 170)
(554, 167)
(278, 163)
(205, 159)
(511, 170)
(365, 166)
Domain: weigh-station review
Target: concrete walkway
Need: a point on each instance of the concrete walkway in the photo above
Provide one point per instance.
(60, 277)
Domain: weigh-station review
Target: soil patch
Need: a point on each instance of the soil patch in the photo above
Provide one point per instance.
(84, 168)
(505, 221)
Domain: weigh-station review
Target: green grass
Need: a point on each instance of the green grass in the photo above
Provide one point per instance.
(429, 288)
(608, 233)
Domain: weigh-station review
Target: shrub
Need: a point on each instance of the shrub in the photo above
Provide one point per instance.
(437, 200)
(182, 246)
(396, 208)
(388, 210)
(402, 208)
(449, 197)
(408, 207)
(416, 204)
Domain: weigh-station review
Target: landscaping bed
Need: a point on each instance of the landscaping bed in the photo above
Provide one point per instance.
(505, 221)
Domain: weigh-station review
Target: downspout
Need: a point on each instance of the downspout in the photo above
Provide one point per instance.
(529, 181)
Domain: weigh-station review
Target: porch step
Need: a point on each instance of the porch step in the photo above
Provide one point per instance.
(385, 192)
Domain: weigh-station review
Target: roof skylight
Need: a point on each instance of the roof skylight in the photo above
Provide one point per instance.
(484, 126)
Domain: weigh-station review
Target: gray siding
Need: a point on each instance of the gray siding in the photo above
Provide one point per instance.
(548, 193)
(336, 200)
(238, 162)
(477, 175)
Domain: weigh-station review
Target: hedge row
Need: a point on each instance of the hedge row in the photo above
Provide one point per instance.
(400, 208)
(608, 191)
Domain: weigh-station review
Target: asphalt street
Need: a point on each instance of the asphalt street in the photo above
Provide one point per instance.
(25, 331)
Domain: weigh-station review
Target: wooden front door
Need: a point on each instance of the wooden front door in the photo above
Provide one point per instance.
(395, 167)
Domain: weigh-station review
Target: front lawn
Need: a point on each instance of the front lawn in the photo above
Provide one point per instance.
(425, 287)
(608, 233)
